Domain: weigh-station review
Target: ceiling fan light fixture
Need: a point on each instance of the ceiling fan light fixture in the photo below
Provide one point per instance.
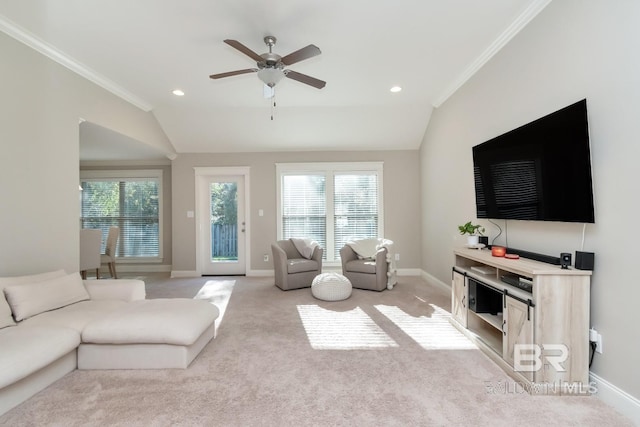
(271, 76)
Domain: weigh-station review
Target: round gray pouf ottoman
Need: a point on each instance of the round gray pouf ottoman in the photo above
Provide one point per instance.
(331, 287)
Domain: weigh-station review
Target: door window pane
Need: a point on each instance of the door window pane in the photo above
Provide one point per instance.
(224, 221)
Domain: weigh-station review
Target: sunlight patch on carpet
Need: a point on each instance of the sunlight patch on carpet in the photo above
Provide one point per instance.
(218, 293)
(431, 333)
(342, 330)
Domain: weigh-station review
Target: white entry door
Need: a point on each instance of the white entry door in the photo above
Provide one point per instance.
(222, 227)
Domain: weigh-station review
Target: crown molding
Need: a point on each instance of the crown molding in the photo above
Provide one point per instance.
(514, 28)
(125, 163)
(22, 35)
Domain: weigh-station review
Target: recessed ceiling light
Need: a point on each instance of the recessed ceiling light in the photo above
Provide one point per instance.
(178, 92)
(395, 89)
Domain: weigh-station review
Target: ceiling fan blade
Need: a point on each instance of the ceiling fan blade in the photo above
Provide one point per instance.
(242, 48)
(233, 73)
(301, 54)
(303, 78)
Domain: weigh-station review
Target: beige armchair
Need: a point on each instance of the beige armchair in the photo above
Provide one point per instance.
(292, 270)
(368, 274)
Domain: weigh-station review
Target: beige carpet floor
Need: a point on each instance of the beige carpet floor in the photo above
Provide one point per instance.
(287, 359)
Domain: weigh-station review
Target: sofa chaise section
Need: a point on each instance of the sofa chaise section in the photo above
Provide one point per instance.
(148, 334)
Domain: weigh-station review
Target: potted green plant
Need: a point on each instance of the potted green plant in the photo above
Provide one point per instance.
(472, 231)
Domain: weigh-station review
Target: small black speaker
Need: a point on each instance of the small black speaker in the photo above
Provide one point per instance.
(484, 240)
(584, 260)
(565, 260)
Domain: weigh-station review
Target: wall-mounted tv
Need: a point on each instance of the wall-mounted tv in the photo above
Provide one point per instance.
(540, 171)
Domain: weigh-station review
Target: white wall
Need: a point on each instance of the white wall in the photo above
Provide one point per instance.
(40, 107)
(574, 49)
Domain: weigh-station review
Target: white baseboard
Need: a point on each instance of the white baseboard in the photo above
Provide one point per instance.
(337, 269)
(433, 279)
(260, 273)
(270, 273)
(184, 273)
(622, 401)
(135, 268)
(194, 273)
(408, 272)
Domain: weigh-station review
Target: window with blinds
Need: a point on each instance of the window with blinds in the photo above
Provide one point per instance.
(330, 203)
(304, 207)
(355, 208)
(131, 203)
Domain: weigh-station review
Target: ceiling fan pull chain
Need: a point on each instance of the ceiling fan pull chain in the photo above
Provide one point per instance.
(273, 104)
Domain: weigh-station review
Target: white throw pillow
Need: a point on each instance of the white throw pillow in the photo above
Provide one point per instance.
(27, 300)
(5, 311)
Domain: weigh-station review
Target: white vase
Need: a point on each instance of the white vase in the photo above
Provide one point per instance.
(472, 240)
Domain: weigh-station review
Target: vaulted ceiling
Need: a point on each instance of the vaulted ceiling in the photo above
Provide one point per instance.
(144, 49)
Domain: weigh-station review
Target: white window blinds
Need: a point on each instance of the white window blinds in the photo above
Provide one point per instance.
(132, 204)
(330, 203)
(304, 207)
(355, 208)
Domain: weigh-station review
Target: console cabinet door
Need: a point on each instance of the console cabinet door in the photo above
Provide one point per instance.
(518, 330)
(459, 297)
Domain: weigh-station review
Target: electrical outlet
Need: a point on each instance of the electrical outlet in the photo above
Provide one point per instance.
(266, 258)
(397, 257)
(595, 337)
(599, 344)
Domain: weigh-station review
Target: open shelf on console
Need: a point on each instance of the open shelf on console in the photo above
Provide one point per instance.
(486, 331)
(494, 320)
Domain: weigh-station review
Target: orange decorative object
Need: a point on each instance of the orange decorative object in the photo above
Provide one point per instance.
(498, 250)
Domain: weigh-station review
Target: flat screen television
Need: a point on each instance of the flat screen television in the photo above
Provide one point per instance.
(539, 172)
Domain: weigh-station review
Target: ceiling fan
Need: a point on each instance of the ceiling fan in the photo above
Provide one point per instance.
(271, 66)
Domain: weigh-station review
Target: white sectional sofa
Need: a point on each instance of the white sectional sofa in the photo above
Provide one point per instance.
(53, 323)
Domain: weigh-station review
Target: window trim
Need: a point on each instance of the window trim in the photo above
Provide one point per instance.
(131, 175)
(329, 169)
